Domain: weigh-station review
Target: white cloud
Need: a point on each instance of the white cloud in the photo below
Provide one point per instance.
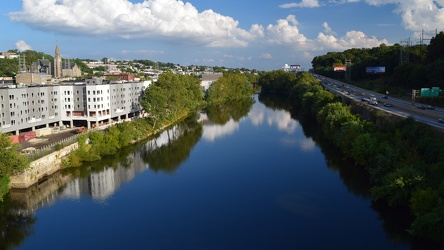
(307, 145)
(283, 121)
(308, 55)
(417, 14)
(286, 32)
(303, 3)
(352, 39)
(266, 56)
(138, 52)
(213, 132)
(151, 19)
(22, 45)
(327, 29)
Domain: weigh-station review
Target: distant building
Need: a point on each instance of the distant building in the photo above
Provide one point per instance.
(42, 66)
(71, 70)
(8, 55)
(64, 68)
(122, 77)
(57, 63)
(208, 79)
(28, 78)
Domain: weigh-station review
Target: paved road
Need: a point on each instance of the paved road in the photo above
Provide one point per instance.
(399, 107)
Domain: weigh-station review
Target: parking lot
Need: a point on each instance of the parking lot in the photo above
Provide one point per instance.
(46, 140)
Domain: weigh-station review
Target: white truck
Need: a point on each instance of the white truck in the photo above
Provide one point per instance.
(370, 100)
(373, 101)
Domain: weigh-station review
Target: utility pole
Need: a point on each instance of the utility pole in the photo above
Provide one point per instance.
(348, 69)
(415, 93)
(421, 42)
(22, 63)
(404, 51)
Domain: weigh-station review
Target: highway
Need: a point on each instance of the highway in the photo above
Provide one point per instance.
(388, 104)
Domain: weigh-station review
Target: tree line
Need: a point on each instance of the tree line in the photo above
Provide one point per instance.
(404, 159)
(420, 68)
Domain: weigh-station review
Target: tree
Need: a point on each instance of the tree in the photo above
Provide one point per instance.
(11, 162)
(435, 50)
(8, 67)
(230, 87)
(154, 103)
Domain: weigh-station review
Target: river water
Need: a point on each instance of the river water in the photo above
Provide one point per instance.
(245, 176)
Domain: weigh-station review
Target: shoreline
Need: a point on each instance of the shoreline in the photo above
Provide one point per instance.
(44, 167)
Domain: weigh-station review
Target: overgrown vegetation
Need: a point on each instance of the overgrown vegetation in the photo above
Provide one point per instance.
(11, 162)
(404, 159)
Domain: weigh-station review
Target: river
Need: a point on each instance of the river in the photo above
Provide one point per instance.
(245, 176)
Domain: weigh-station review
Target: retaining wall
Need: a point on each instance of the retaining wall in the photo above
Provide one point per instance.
(40, 168)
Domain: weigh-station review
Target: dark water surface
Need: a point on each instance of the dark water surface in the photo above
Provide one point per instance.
(244, 177)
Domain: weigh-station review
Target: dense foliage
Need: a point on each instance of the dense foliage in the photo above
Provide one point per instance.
(11, 162)
(404, 159)
(230, 87)
(97, 144)
(172, 96)
(419, 71)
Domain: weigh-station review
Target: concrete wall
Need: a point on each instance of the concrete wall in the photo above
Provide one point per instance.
(41, 168)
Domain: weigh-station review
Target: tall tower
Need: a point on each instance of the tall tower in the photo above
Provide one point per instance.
(57, 63)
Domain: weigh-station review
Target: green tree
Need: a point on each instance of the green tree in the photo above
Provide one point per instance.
(11, 162)
(8, 67)
(230, 87)
(430, 225)
(398, 186)
(435, 50)
(154, 103)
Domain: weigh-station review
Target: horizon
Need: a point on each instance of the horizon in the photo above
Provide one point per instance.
(259, 35)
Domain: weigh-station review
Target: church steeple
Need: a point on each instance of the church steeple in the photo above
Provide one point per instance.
(57, 63)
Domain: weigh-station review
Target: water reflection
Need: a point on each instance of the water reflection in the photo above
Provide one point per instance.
(100, 180)
(305, 204)
(15, 224)
(221, 114)
(394, 222)
(223, 120)
(167, 151)
(278, 116)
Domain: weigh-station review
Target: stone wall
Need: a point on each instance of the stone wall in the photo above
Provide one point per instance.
(41, 168)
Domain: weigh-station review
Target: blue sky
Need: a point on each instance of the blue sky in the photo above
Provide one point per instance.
(254, 34)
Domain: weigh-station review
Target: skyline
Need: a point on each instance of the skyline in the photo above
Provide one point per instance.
(260, 35)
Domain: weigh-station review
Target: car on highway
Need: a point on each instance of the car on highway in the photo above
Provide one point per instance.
(441, 120)
(385, 97)
(387, 104)
(421, 107)
(430, 107)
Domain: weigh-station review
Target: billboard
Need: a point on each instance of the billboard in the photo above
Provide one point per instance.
(375, 70)
(295, 67)
(340, 68)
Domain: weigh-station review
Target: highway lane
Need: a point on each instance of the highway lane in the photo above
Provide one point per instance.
(398, 106)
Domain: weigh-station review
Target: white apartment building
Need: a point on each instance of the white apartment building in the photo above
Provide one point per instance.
(89, 104)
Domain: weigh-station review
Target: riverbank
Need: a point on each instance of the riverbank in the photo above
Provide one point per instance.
(44, 167)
